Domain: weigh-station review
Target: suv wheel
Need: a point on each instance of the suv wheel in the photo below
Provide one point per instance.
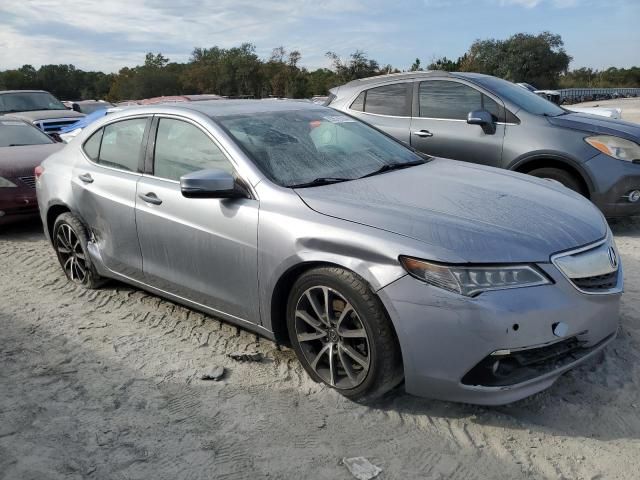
(567, 179)
(341, 334)
(70, 243)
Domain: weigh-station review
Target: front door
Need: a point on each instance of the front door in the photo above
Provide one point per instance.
(104, 186)
(201, 249)
(440, 127)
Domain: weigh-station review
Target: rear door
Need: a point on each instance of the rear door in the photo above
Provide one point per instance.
(387, 107)
(439, 125)
(201, 249)
(104, 189)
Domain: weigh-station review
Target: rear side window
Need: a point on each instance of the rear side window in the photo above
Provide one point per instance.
(92, 146)
(182, 148)
(393, 100)
(453, 101)
(121, 144)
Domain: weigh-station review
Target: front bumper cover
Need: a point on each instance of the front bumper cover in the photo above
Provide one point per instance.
(443, 336)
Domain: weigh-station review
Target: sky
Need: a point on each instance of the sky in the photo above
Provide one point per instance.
(109, 34)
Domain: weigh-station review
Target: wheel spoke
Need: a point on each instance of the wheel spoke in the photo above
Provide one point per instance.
(63, 241)
(304, 316)
(332, 366)
(308, 337)
(359, 358)
(327, 309)
(317, 309)
(353, 333)
(321, 353)
(71, 271)
(346, 365)
(345, 311)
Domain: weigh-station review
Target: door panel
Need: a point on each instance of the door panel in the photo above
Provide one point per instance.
(204, 250)
(105, 197)
(440, 126)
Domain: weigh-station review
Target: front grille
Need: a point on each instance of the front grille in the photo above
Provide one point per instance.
(598, 283)
(28, 181)
(54, 125)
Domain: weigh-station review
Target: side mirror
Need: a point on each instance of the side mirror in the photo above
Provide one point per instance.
(75, 108)
(480, 117)
(212, 183)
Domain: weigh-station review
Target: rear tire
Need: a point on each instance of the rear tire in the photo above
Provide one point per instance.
(70, 243)
(341, 334)
(567, 179)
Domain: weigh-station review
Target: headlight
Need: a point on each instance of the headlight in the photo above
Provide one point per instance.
(615, 147)
(470, 280)
(4, 183)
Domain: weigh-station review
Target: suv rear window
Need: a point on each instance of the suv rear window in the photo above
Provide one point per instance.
(393, 100)
(453, 101)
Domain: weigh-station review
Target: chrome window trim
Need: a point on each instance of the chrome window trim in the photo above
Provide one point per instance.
(607, 239)
(358, 112)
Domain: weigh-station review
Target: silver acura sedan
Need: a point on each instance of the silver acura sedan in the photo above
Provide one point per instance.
(374, 263)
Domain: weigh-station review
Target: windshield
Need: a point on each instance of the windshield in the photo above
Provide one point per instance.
(523, 98)
(301, 146)
(29, 101)
(15, 133)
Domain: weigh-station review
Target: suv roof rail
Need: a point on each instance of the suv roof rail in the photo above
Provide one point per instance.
(403, 75)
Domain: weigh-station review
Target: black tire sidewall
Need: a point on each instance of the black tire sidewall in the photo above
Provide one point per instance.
(562, 176)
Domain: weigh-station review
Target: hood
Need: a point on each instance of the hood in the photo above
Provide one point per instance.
(45, 115)
(598, 125)
(20, 161)
(478, 214)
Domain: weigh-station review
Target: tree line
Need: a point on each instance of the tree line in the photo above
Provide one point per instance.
(239, 72)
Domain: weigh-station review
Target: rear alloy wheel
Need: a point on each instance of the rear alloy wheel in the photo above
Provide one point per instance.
(341, 334)
(565, 178)
(70, 243)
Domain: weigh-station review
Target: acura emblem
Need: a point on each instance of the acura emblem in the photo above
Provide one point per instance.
(613, 258)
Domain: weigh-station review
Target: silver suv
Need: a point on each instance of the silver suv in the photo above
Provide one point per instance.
(483, 119)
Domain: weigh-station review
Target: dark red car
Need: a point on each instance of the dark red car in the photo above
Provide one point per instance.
(22, 148)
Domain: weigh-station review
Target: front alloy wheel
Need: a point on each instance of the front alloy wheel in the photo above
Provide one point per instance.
(342, 335)
(332, 337)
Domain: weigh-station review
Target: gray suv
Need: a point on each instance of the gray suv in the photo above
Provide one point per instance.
(483, 119)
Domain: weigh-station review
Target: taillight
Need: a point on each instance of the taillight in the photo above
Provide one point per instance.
(39, 170)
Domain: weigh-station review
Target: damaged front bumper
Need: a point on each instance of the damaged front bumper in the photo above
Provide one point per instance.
(500, 346)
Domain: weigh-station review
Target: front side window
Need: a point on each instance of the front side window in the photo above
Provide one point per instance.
(183, 148)
(299, 146)
(121, 145)
(443, 99)
(393, 100)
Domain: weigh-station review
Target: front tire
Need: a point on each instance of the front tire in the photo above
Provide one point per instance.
(341, 334)
(565, 178)
(70, 243)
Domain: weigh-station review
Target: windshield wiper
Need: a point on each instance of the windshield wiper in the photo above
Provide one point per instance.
(316, 182)
(394, 166)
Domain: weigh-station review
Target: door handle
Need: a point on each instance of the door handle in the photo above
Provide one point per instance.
(151, 198)
(86, 178)
(423, 133)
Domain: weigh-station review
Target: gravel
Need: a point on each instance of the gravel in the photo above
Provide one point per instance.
(106, 384)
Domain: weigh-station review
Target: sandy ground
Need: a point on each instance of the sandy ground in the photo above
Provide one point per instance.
(105, 385)
(630, 107)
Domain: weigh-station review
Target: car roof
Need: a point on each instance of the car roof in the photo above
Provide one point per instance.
(396, 76)
(22, 91)
(221, 108)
